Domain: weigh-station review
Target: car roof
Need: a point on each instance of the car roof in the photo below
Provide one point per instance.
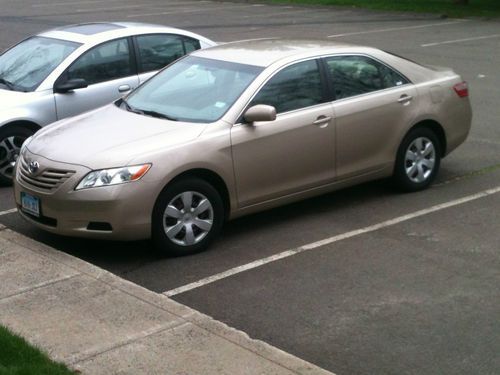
(265, 52)
(97, 32)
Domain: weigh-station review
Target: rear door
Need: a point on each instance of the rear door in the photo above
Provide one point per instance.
(110, 72)
(155, 51)
(372, 103)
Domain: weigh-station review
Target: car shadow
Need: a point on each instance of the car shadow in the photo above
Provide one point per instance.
(124, 257)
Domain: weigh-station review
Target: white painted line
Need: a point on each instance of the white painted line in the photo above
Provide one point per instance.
(77, 3)
(461, 40)
(328, 241)
(111, 8)
(197, 10)
(8, 211)
(164, 13)
(292, 12)
(69, 3)
(397, 28)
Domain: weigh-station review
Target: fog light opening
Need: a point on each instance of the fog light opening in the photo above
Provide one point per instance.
(99, 226)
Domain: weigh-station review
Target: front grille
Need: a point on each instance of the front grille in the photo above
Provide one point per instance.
(48, 180)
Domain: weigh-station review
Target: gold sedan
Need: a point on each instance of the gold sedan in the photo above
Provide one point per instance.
(236, 129)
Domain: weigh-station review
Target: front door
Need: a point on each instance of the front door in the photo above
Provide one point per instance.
(109, 72)
(294, 152)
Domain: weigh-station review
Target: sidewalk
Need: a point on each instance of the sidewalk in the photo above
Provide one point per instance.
(99, 323)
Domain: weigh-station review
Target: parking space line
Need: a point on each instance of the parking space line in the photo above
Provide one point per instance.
(397, 28)
(112, 8)
(6, 212)
(461, 40)
(165, 13)
(193, 10)
(69, 3)
(328, 241)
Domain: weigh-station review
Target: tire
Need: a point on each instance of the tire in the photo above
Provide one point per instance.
(11, 140)
(418, 160)
(177, 231)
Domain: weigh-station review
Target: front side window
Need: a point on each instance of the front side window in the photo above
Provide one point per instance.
(356, 75)
(193, 89)
(108, 61)
(158, 50)
(26, 65)
(191, 44)
(296, 86)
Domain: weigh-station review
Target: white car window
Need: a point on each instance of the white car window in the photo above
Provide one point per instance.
(108, 61)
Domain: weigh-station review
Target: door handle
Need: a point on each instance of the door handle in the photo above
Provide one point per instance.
(123, 88)
(403, 99)
(322, 121)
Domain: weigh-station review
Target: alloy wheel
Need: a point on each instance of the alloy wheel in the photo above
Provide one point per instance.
(10, 148)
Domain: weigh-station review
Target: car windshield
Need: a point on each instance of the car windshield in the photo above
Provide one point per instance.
(26, 65)
(193, 89)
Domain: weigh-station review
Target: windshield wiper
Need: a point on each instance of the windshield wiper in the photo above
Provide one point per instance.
(158, 115)
(129, 108)
(7, 84)
(145, 112)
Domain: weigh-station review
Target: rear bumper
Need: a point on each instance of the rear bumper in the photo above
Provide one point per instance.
(459, 124)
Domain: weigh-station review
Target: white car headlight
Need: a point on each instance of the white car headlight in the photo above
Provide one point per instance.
(113, 176)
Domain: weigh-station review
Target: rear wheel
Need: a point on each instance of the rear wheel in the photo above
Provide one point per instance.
(187, 217)
(11, 140)
(418, 160)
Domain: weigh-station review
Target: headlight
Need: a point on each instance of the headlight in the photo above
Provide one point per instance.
(113, 176)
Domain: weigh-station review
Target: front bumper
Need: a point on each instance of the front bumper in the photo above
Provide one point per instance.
(119, 212)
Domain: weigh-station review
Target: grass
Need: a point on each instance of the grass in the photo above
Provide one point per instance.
(17, 357)
(480, 8)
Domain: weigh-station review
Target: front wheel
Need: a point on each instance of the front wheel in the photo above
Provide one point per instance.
(418, 160)
(187, 217)
(11, 140)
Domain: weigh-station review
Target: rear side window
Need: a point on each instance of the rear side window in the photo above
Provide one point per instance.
(108, 61)
(356, 75)
(159, 50)
(296, 86)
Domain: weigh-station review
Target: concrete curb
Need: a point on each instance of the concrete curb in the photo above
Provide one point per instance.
(183, 314)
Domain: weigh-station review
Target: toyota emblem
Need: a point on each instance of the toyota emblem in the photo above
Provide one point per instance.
(33, 166)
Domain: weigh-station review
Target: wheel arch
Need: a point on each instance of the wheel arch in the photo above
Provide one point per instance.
(33, 126)
(437, 128)
(212, 178)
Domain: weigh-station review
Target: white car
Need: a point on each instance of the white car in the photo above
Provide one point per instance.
(72, 69)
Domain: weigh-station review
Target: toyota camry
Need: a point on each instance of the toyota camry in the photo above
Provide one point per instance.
(239, 128)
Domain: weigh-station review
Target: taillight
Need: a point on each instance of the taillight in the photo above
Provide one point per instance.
(462, 89)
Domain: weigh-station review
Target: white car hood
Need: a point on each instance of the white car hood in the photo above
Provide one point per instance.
(9, 98)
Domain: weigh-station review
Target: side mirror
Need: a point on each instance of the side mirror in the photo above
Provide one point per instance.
(260, 112)
(72, 84)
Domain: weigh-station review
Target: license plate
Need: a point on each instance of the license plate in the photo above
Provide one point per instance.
(30, 204)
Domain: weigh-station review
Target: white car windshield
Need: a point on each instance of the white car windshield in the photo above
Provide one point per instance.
(193, 89)
(26, 65)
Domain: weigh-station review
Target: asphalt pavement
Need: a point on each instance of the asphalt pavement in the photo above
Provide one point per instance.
(417, 296)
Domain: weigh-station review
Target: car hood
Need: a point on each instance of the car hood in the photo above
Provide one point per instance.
(9, 98)
(109, 137)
